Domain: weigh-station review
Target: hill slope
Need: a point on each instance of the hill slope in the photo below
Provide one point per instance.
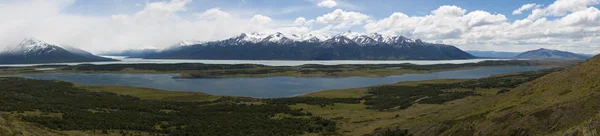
(344, 46)
(550, 54)
(32, 50)
(565, 102)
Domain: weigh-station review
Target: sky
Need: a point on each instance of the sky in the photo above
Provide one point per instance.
(493, 25)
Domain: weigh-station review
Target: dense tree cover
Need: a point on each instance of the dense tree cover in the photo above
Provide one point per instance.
(312, 100)
(85, 110)
(390, 132)
(401, 97)
(507, 81)
(446, 96)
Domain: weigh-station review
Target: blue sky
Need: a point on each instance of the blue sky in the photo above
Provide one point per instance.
(306, 8)
(105, 25)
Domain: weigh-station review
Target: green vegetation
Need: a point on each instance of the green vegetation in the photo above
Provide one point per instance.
(506, 81)
(312, 101)
(383, 107)
(61, 106)
(152, 94)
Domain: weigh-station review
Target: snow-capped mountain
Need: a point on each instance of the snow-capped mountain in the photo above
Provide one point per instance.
(278, 38)
(345, 38)
(344, 46)
(32, 50)
(31, 46)
(188, 43)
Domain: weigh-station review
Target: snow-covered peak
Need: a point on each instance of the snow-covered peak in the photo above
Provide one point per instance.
(369, 39)
(314, 37)
(279, 38)
(186, 43)
(397, 40)
(349, 35)
(32, 46)
(251, 37)
(376, 36)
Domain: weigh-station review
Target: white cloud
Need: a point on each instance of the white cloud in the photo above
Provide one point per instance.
(561, 8)
(525, 8)
(342, 18)
(480, 18)
(301, 21)
(447, 10)
(576, 30)
(327, 3)
(261, 19)
(213, 14)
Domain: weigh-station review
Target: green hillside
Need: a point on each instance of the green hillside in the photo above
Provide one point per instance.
(565, 102)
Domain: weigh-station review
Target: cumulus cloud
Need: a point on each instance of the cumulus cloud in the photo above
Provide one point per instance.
(447, 10)
(342, 18)
(575, 30)
(525, 7)
(562, 7)
(261, 19)
(213, 14)
(327, 3)
(301, 21)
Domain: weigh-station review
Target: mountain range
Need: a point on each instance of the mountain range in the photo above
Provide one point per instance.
(343, 46)
(31, 50)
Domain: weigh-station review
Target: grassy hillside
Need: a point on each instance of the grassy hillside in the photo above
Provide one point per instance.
(560, 103)
(565, 102)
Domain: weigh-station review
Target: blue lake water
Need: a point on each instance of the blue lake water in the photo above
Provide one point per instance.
(268, 87)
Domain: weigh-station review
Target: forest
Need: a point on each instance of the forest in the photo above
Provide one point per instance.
(76, 109)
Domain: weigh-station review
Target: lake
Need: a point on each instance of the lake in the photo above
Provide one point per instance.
(262, 62)
(267, 87)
